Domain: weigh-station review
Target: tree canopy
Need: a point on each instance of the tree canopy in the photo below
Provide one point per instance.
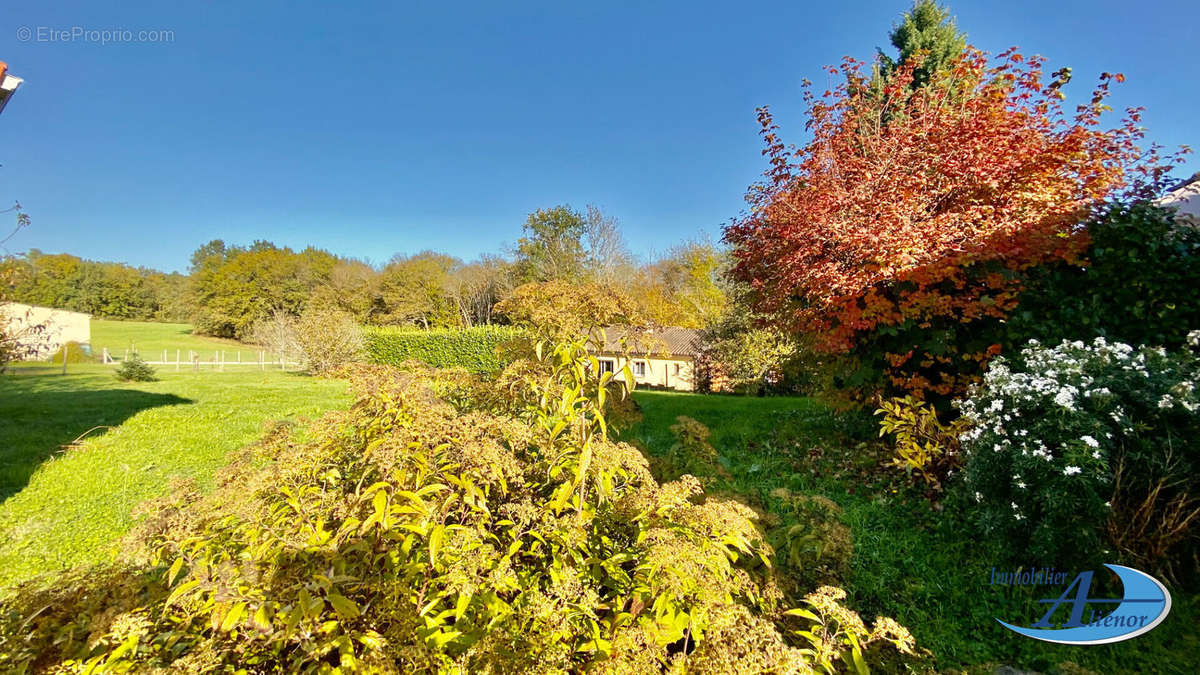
(913, 218)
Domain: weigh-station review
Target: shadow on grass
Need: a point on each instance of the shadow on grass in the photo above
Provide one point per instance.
(35, 424)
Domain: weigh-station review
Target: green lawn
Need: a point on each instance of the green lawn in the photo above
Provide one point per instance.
(150, 339)
(735, 421)
(916, 564)
(65, 507)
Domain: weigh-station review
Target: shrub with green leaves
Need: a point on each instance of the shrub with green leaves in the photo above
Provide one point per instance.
(690, 454)
(1141, 284)
(813, 545)
(1082, 451)
(475, 349)
(134, 369)
(75, 353)
(925, 445)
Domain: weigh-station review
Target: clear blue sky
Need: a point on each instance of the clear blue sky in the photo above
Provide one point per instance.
(375, 128)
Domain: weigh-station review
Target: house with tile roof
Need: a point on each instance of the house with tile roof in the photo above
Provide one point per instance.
(658, 357)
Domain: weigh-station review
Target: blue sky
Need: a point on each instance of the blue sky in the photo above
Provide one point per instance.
(375, 128)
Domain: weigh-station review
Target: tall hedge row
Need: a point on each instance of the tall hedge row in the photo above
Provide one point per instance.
(471, 348)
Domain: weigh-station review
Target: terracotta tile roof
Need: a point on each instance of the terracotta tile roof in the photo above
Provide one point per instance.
(665, 341)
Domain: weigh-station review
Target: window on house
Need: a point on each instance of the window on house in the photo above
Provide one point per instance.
(676, 368)
(639, 368)
(607, 365)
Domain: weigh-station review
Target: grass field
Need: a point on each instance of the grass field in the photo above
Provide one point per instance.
(916, 564)
(65, 507)
(150, 339)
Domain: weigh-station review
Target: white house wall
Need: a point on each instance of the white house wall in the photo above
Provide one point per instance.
(671, 373)
(60, 326)
(1186, 200)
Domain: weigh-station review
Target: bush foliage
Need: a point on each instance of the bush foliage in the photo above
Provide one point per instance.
(1083, 449)
(475, 349)
(134, 369)
(924, 444)
(445, 523)
(812, 543)
(328, 339)
(75, 353)
(691, 453)
(1141, 284)
(321, 340)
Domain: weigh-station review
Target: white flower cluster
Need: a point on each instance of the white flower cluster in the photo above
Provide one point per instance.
(1064, 396)
(1060, 375)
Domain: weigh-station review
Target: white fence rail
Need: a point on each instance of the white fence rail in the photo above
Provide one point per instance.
(217, 361)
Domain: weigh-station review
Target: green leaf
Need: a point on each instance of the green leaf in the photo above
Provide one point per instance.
(343, 605)
(860, 665)
(262, 619)
(436, 536)
(379, 501)
(233, 617)
(173, 573)
(803, 613)
(187, 586)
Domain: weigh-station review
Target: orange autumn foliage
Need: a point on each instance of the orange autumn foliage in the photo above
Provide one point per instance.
(916, 207)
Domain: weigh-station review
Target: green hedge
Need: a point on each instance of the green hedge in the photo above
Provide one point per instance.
(471, 348)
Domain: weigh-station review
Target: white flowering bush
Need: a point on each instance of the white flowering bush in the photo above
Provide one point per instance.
(1079, 451)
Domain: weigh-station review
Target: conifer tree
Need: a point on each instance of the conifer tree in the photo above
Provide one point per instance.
(927, 30)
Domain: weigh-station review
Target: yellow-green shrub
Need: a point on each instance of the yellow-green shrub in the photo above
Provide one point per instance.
(690, 454)
(838, 637)
(924, 445)
(812, 544)
(75, 353)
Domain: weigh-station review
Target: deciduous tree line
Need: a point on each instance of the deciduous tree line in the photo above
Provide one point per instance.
(103, 289)
(229, 288)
